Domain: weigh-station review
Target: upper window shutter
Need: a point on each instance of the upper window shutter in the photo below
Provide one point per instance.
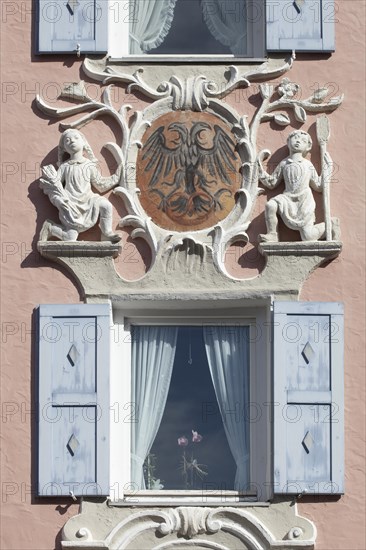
(308, 397)
(74, 399)
(72, 26)
(301, 25)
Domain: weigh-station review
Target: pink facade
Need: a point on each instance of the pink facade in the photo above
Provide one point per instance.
(29, 140)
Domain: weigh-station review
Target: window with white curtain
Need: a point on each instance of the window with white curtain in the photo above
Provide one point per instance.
(191, 390)
(191, 395)
(213, 27)
(223, 28)
(171, 407)
(166, 29)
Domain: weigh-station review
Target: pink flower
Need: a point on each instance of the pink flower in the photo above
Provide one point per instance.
(196, 437)
(182, 441)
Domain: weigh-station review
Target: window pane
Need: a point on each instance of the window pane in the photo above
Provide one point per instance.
(191, 450)
(189, 27)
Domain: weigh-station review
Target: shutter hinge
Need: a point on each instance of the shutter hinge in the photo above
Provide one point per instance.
(298, 5)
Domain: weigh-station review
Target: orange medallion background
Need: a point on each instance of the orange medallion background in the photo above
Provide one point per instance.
(153, 195)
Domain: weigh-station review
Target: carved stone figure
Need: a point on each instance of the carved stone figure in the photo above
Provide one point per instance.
(296, 206)
(70, 190)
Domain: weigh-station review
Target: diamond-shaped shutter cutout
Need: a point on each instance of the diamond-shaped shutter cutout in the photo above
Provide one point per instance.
(308, 442)
(72, 445)
(73, 355)
(308, 353)
(72, 5)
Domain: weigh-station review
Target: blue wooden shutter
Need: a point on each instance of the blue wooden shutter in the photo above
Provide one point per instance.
(308, 397)
(74, 399)
(68, 25)
(301, 25)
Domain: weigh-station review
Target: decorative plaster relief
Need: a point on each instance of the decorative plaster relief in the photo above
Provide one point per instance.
(296, 206)
(187, 171)
(222, 528)
(69, 189)
(198, 169)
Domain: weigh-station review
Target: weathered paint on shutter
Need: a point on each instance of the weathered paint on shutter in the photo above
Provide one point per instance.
(74, 399)
(308, 397)
(301, 25)
(72, 25)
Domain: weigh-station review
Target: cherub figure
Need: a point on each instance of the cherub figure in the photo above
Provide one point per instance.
(296, 206)
(70, 190)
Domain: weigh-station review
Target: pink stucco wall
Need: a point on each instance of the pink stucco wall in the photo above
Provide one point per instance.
(28, 140)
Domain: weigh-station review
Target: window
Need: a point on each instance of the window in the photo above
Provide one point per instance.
(165, 29)
(196, 27)
(190, 386)
(191, 357)
(104, 389)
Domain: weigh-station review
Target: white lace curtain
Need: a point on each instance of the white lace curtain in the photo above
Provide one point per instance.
(227, 351)
(150, 23)
(153, 352)
(227, 22)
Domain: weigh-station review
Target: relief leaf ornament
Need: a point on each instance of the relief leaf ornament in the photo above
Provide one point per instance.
(76, 92)
(192, 93)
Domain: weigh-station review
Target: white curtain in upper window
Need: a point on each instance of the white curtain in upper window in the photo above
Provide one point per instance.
(227, 351)
(153, 351)
(150, 22)
(227, 22)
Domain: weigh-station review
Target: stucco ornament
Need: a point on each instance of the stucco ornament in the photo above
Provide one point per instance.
(220, 528)
(70, 190)
(191, 170)
(296, 206)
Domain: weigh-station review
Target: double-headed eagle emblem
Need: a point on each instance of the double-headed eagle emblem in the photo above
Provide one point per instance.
(192, 169)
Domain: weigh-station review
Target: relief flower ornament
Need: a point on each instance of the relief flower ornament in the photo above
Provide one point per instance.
(287, 88)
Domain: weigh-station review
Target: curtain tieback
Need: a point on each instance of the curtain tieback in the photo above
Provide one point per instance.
(133, 37)
(137, 459)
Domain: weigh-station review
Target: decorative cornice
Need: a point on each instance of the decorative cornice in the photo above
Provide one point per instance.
(287, 267)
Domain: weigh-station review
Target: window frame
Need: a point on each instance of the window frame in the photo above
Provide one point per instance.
(122, 410)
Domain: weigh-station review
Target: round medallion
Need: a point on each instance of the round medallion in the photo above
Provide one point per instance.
(188, 171)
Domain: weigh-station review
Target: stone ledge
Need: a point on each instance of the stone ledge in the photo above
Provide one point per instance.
(188, 276)
(329, 249)
(79, 249)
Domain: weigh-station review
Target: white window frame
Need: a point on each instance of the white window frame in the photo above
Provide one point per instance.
(122, 409)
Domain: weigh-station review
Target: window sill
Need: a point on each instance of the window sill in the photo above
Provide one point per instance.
(186, 498)
(190, 58)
